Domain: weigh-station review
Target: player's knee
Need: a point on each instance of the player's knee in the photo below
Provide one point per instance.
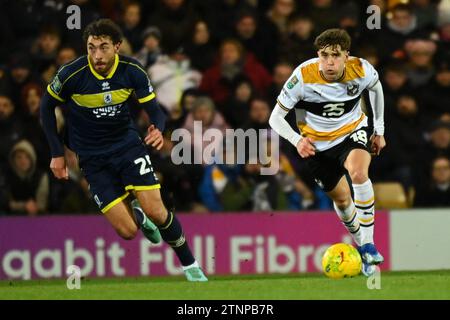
(127, 232)
(358, 176)
(342, 202)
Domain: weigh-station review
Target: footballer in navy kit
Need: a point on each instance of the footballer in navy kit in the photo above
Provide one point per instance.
(94, 90)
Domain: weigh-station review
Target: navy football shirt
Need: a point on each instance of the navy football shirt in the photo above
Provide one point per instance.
(98, 118)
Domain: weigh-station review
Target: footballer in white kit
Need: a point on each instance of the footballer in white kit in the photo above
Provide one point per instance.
(334, 139)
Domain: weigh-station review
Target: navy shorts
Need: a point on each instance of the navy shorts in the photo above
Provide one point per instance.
(112, 176)
(327, 167)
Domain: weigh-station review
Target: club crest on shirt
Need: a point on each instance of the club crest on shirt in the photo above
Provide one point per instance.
(107, 98)
(352, 89)
(292, 82)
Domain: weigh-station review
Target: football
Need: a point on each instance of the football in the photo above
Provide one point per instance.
(341, 260)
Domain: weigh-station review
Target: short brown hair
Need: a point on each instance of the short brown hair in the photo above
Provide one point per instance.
(103, 27)
(333, 37)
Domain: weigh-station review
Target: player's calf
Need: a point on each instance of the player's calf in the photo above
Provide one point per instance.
(127, 232)
(149, 229)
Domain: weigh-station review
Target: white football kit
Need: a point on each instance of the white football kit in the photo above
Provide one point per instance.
(328, 111)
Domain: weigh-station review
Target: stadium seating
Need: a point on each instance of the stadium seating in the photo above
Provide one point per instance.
(390, 195)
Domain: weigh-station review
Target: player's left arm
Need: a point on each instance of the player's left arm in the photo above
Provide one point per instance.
(147, 100)
(377, 102)
(376, 97)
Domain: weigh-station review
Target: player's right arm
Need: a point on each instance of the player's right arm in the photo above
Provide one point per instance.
(50, 100)
(288, 98)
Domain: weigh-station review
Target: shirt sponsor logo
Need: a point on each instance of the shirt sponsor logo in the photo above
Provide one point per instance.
(109, 111)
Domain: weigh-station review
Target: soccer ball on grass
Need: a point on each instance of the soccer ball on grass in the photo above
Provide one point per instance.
(341, 260)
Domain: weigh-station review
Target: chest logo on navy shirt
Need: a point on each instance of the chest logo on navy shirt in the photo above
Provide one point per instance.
(107, 97)
(105, 86)
(352, 89)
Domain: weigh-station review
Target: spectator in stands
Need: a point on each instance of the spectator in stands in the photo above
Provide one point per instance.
(281, 73)
(203, 113)
(324, 14)
(171, 75)
(131, 24)
(151, 49)
(443, 16)
(234, 63)
(28, 186)
(31, 100)
(236, 109)
(437, 192)
(349, 20)
(370, 53)
(258, 117)
(400, 28)
(176, 20)
(280, 12)
(258, 35)
(298, 44)
(11, 128)
(444, 37)
(181, 180)
(45, 50)
(426, 13)
(438, 144)
(222, 187)
(420, 69)
(300, 196)
(177, 118)
(404, 131)
(268, 192)
(436, 96)
(21, 73)
(200, 48)
(395, 84)
(65, 55)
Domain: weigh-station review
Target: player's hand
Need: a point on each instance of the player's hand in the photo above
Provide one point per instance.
(154, 137)
(59, 168)
(378, 143)
(305, 147)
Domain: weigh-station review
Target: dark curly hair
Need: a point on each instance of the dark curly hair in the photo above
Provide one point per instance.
(103, 27)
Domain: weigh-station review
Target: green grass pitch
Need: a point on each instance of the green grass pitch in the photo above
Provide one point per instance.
(394, 285)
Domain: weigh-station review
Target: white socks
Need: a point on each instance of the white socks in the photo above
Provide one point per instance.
(349, 218)
(364, 202)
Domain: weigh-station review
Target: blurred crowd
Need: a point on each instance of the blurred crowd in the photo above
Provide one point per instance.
(224, 62)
